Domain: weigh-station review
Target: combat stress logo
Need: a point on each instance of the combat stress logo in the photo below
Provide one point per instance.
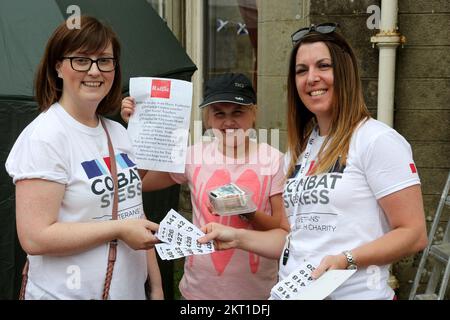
(309, 191)
(312, 189)
(102, 184)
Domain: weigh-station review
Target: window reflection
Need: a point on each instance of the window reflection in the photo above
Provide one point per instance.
(232, 39)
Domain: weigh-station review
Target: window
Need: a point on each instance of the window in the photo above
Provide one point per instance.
(231, 37)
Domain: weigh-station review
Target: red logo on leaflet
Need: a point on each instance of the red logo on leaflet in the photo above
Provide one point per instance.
(160, 89)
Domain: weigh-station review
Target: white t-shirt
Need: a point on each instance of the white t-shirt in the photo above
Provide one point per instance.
(339, 210)
(58, 148)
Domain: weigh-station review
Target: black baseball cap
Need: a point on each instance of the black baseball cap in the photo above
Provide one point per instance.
(229, 87)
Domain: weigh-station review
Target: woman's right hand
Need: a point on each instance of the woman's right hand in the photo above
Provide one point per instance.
(224, 237)
(127, 108)
(138, 234)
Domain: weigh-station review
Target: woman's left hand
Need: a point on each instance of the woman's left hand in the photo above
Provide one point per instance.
(334, 262)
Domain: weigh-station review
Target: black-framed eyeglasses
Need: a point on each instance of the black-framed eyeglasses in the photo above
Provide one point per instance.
(84, 64)
(321, 28)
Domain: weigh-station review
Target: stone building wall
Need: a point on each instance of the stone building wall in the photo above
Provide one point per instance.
(422, 102)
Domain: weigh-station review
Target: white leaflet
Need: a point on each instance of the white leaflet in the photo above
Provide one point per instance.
(179, 237)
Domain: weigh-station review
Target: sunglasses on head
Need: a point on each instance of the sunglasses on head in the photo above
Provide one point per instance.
(321, 28)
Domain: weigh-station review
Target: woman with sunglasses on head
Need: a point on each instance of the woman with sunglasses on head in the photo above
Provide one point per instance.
(65, 192)
(352, 195)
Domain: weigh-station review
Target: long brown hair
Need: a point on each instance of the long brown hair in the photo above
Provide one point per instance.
(348, 110)
(92, 37)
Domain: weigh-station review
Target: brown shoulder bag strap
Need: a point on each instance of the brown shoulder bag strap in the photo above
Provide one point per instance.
(113, 244)
(24, 281)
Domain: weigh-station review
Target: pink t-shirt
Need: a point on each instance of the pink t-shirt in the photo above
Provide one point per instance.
(230, 274)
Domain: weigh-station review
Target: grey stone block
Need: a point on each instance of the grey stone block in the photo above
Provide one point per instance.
(270, 10)
(272, 101)
(274, 47)
(432, 180)
(353, 27)
(423, 62)
(429, 6)
(423, 125)
(425, 29)
(431, 154)
(367, 61)
(423, 94)
(341, 7)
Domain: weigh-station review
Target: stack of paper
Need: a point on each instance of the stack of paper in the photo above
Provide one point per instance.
(180, 238)
(291, 286)
(299, 285)
(230, 199)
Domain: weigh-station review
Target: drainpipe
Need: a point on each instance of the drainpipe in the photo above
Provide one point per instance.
(387, 40)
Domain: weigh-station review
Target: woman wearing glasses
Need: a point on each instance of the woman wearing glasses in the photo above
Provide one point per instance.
(64, 189)
(352, 194)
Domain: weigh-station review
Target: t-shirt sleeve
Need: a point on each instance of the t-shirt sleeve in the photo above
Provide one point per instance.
(389, 165)
(279, 177)
(179, 178)
(32, 158)
(182, 178)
